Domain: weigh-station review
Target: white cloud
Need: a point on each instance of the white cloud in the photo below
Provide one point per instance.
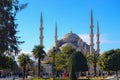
(103, 39)
(25, 52)
(86, 38)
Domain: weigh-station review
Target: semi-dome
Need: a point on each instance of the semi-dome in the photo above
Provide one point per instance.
(67, 44)
(71, 37)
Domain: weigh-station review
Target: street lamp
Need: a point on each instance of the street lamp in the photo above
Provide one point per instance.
(54, 52)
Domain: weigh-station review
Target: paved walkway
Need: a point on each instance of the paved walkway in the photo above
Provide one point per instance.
(10, 78)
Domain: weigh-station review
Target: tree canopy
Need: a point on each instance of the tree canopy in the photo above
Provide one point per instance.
(62, 58)
(39, 53)
(9, 42)
(6, 62)
(23, 60)
(79, 62)
(93, 60)
(110, 61)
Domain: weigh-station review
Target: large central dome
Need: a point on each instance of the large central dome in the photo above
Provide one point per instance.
(71, 37)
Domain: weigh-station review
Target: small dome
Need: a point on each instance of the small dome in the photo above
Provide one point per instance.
(70, 37)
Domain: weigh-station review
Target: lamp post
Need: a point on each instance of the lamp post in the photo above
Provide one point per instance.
(54, 52)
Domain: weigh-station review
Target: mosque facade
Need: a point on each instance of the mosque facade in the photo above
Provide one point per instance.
(74, 40)
(78, 43)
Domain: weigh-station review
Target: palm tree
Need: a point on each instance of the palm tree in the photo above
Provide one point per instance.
(30, 67)
(39, 53)
(23, 60)
(93, 59)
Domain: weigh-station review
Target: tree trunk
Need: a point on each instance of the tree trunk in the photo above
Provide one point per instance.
(24, 69)
(117, 75)
(95, 69)
(39, 64)
(72, 74)
(77, 74)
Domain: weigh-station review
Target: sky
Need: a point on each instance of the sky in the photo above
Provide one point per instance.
(69, 14)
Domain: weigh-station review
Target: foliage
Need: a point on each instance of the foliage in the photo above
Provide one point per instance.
(79, 62)
(110, 61)
(8, 40)
(61, 61)
(61, 58)
(23, 60)
(6, 62)
(70, 60)
(68, 50)
(64, 59)
(93, 59)
(39, 53)
(65, 56)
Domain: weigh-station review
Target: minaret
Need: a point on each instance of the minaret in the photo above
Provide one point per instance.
(91, 33)
(98, 41)
(41, 31)
(56, 36)
(70, 30)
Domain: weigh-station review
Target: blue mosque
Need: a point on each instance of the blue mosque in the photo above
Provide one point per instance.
(73, 40)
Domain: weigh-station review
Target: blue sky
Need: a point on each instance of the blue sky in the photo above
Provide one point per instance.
(69, 14)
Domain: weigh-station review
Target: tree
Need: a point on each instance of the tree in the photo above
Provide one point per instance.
(23, 60)
(93, 59)
(66, 53)
(15, 67)
(9, 42)
(6, 62)
(110, 61)
(78, 62)
(72, 73)
(61, 61)
(68, 50)
(61, 58)
(39, 53)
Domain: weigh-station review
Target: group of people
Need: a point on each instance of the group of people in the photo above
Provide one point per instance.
(57, 74)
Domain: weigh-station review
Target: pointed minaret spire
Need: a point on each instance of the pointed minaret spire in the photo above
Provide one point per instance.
(91, 33)
(98, 41)
(41, 30)
(56, 36)
(71, 30)
(91, 17)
